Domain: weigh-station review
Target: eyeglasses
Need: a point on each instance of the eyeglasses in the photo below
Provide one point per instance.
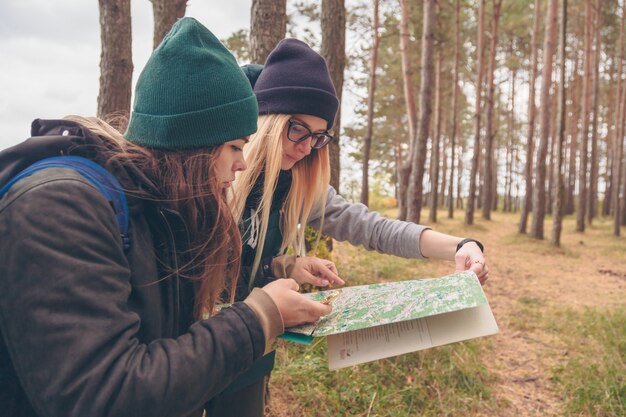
(297, 132)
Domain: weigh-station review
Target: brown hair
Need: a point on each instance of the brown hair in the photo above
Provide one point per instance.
(187, 184)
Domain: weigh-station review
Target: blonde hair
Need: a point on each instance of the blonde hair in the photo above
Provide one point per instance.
(310, 181)
(184, 181)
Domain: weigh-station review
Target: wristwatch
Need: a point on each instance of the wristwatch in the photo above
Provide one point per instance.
(464, 241)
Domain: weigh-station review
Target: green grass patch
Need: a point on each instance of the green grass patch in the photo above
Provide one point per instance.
(445, 381)
(593, 378)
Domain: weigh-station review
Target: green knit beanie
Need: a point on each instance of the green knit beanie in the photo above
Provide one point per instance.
(191, 93)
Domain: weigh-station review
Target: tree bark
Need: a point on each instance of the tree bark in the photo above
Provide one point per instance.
(116, 62)
(409, 99)
(268, 25)
(539, 192)
(489, 129)
(333, 24)
(508, 186)
(459, 199)
(557, 207)
(593, 178)
(573, 129)
(469, 211)
(455, 94)
(619, 135)
(166, 13)
(584, 140)
(530, 146)
(367, 142)
(434, 165)
(414, 192)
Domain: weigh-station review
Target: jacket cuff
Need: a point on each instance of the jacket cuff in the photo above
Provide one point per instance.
(268, 314)
(283, 266)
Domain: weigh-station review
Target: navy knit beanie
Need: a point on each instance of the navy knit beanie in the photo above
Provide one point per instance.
(295, 80)
(191, 94)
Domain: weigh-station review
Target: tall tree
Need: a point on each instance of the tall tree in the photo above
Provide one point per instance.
(116, 62)
(530, 145)
(593, 172)
(409, 99)
(508, 184)
(436, 142)
(557, 207)
(584, 134)
(455, 95)
(539, 192)
(414, 193)
(268, 25)
(469, 211)
(619, 134)
(576, 86)
(489, 128)
(333, 24)
(367, 142)
(166, 12)
(623, 129)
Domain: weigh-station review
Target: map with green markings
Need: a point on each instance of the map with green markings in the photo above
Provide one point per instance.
(371, 305)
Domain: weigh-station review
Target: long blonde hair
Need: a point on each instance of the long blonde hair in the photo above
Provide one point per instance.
(186, 183)
(310, 180)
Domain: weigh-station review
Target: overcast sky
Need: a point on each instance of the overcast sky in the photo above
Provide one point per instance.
(50, 54)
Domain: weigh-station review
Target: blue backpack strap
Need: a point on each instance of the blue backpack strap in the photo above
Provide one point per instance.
(99, 177)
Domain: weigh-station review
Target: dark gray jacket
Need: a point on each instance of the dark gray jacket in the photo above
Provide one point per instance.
(88, 330)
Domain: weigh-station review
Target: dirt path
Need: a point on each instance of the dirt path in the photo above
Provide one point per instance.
(528, 280)
(581, 274)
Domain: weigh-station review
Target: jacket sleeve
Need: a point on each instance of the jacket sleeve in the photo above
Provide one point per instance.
(358, 225)
(70, 334)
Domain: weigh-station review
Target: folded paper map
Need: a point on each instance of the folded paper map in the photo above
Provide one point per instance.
(370, 322)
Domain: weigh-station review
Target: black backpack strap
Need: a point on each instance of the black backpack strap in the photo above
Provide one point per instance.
(99, 177)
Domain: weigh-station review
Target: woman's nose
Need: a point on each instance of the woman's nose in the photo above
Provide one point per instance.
(240, 164)
(304, 147)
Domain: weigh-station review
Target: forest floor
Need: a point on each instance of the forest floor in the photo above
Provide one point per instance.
(561, 349)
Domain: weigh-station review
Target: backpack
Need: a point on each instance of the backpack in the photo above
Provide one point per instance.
(99, 177)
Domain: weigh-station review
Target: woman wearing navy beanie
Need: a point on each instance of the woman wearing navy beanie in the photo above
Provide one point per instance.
(287, 186)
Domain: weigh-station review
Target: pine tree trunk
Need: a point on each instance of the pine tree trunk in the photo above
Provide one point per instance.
(573, 147)
(557, 208)
(593, 179)
(455, 93)
(116, 62)
(610, 145)
(414, 192)
(268, 25)
(166, 13)
(367, 142)
(443, 158)
(434, 165)
(551, 153)
(539, 192)
(619, 134)
(623, 160)
(489, 129)
(528, 169)
(584, 140)
(409, 99)
(508, 206)
(469, 211)
(333, 24)
(459, 180)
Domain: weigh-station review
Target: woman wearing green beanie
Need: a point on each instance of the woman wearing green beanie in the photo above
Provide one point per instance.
(94, 326)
